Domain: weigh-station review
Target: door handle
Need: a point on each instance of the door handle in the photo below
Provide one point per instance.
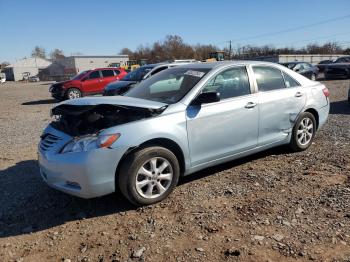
(250, 105)
(298, 94)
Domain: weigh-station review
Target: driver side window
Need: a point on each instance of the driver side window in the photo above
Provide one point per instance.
(230, 83)
(94, 75)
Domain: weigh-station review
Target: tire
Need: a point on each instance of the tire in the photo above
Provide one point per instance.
(73, 93)
(138, 166)
(303, 132)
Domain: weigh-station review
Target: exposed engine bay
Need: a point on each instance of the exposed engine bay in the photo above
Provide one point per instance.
(78, 120)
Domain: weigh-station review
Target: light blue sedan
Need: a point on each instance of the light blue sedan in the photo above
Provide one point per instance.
(175, 123)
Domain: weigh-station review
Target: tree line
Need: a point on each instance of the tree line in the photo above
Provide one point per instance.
(174, 47)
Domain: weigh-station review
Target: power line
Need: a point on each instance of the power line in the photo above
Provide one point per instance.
(312, 39)
(293, 28)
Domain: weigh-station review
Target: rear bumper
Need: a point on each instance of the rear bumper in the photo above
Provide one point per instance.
(323, 113)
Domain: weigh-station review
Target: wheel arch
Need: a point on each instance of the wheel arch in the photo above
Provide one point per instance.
(315, 114)
(72, 87)
(163, 142)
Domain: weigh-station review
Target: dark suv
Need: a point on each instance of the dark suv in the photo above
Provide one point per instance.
(88, 82)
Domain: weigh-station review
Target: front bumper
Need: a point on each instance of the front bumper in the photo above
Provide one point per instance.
(86, 174)
(57, 92)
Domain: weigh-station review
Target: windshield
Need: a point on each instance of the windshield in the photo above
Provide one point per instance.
(80, 75)
(290, 65)
(137, 74)
(168, 86)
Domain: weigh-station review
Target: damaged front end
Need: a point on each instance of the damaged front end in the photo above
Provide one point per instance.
(79, 120)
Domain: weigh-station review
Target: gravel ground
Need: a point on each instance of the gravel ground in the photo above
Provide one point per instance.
(273, 206)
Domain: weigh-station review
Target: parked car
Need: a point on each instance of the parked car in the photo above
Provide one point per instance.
(136, 76)
(2, 78)
(175, 123)
(132, 78)
(322, 65)
(33, 79)
(305, 69)
(339, 69)
(88, 82)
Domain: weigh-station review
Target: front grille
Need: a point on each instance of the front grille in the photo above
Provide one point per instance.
(56, 88)
(48, 141)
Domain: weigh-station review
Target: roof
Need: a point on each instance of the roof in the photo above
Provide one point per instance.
(31, 62)
(99, 56)
(211, 65)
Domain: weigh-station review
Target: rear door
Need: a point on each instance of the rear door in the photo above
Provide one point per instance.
(281, 99)
(108, 76)
(93, 83)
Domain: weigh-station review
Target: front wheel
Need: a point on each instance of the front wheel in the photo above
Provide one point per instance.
(303, 132)
(73, 93)
(148, 175)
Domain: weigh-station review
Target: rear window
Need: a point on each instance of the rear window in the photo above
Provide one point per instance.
(107, 73)
(268, 78)
(290, 82)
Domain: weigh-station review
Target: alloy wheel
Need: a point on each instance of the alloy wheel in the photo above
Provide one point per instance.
(73, 94)
(154, 177)
(305, 131)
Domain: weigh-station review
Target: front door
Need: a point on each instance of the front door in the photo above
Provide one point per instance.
(93, 83)
(221, 129)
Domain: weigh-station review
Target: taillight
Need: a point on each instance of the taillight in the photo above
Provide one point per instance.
(325, 92)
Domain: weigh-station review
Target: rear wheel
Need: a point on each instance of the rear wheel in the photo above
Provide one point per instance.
(73, 93)
(148, 175)
(303, 132)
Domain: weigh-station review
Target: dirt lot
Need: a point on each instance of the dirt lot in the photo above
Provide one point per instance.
(273, 206)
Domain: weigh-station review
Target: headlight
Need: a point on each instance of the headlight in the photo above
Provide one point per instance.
(87, 143)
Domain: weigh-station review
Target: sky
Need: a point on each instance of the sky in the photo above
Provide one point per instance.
(104, 27)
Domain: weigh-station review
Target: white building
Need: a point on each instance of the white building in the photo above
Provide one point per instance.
(313, 59)
(27, 66)
(76, 64)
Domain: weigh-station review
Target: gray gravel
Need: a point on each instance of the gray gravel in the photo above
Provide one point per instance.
(273, 206)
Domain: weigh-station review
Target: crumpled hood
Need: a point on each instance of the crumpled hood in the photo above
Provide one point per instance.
(113, 100)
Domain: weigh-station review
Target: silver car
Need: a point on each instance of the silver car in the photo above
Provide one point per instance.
(175, 123)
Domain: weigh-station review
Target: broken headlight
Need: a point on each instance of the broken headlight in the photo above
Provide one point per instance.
(86, 143)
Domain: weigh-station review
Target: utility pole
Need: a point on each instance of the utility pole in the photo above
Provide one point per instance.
(229, 54)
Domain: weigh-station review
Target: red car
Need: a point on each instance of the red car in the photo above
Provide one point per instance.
(88, 82)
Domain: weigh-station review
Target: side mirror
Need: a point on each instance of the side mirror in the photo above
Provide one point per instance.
(207, 97)
(296, 69)
(83, 79)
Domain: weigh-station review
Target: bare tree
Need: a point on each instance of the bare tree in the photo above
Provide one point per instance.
(56, 54)
(126, 51)
(39, 52)
(4, 64)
